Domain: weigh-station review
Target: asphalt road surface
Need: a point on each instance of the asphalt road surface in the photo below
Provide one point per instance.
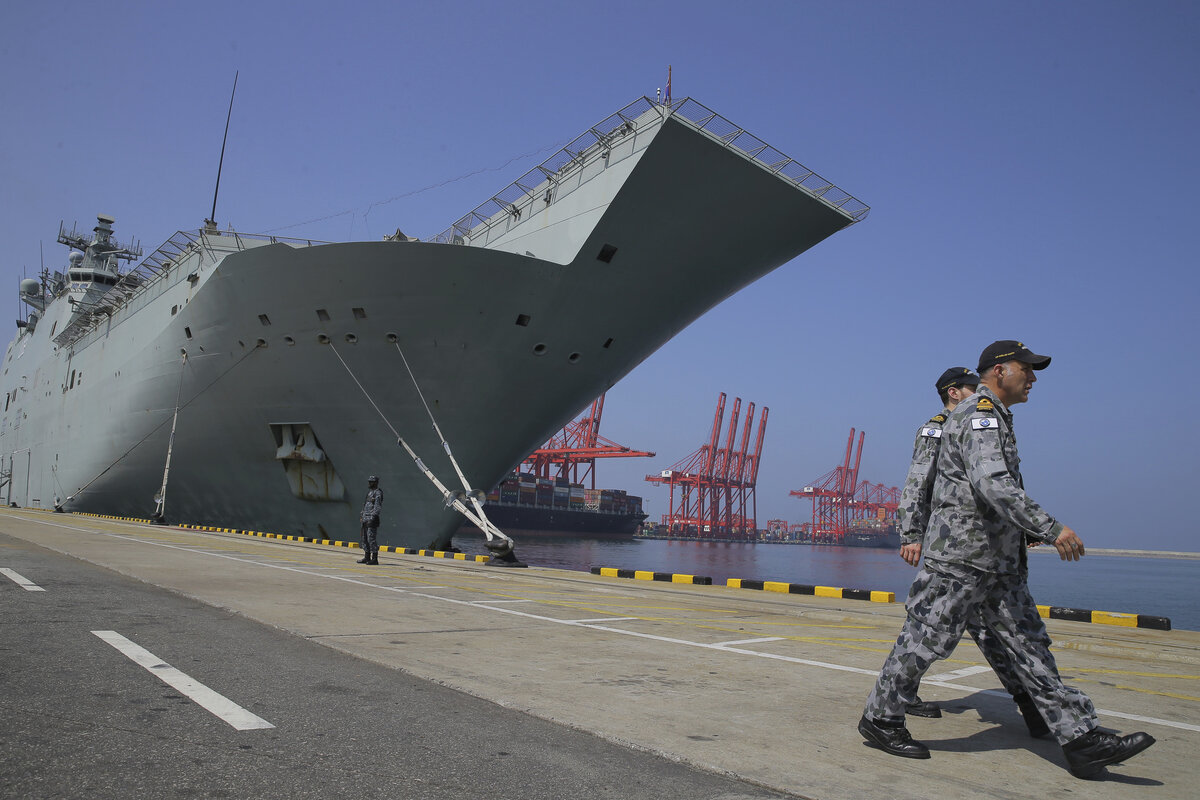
(252, 712)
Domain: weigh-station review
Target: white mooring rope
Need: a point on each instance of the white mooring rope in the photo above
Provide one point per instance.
(473, 496)
(160, 500)
(453, 499)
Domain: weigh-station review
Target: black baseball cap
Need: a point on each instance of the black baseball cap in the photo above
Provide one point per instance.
(1010, 350)
(957, 376)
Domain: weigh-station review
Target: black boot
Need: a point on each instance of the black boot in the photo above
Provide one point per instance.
(922, 708)
(1088, 755)
(366, 559)
(893, 738)
(1033, 718)
(374, 558)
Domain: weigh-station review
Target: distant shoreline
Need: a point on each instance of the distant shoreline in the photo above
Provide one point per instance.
(1104, 551)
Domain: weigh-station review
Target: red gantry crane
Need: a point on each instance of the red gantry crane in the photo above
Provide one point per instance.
(841, 503)
(573, 450)
(874, 503)
(716, 483)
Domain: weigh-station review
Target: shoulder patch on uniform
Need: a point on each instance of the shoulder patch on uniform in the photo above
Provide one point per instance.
(938, 418)
(984, 405)
(931, 432)
(983, 423)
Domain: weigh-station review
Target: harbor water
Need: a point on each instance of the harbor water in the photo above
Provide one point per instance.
(1102, 581)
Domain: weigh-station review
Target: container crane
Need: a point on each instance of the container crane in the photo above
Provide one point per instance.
(573, 451)
(841, 502)
(716, 484)
(832, 495)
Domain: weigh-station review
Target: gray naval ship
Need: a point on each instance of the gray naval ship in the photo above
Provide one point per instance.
(253, 381)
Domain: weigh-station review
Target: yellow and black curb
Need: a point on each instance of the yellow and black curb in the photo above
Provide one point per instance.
(817, 591)
(408, 551)
(1105, 617)
(641, 575)
(1046, 612)
(106, 516)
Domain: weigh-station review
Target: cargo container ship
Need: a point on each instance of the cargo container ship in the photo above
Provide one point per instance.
(872, 534)
(526, 504)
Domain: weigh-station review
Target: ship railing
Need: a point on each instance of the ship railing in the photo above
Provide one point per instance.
(595, 142)
(184, 242)
(541, 181)
(148, 278)
(737, 138)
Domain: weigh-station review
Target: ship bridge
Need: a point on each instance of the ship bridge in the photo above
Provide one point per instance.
(98, 291)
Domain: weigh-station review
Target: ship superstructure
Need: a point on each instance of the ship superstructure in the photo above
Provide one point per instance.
(280, 363)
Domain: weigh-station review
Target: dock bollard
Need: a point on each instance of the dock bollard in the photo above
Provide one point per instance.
(502, 553)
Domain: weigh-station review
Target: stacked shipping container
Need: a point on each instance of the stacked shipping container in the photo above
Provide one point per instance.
(526, 502)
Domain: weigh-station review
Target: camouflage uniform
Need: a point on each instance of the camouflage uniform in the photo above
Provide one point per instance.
(912, 516)
(980, 518)
(913, 512)
(370, 522)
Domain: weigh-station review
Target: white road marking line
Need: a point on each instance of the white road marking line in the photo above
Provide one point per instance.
(598, 619)
(221, 706)
(807, 662)
(958, 673)
(750, 641)
(481, 602)
(21, 580)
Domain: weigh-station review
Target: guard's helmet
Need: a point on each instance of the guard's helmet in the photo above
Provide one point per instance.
(373, 479)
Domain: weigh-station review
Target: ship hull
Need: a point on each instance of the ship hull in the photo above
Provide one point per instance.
(256, 346)
(889, 540)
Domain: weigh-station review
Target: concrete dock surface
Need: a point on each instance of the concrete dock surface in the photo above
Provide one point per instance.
(763, 687)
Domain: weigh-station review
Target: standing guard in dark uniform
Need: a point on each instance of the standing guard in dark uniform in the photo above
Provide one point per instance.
(980, 518)
(370, 522)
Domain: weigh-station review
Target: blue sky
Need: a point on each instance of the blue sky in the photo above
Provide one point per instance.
(1032, 170)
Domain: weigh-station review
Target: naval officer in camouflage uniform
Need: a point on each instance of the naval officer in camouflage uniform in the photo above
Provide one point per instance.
(980, 518)
(370, 522)
(953, 386)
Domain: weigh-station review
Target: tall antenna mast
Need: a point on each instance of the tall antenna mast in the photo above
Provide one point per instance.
(211, 222)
